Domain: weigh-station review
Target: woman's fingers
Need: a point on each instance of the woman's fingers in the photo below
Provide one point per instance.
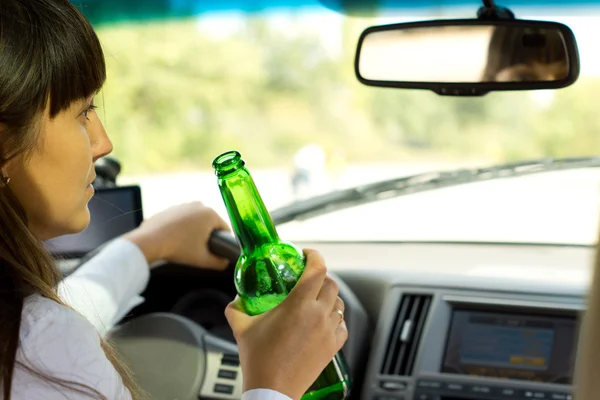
(341, 330)
(328, 294)
(236, 317)
(310, 283)
(341, 335)
(337, 312)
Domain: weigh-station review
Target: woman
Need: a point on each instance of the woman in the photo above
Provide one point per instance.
(51, 67)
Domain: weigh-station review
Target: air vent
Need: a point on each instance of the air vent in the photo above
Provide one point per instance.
(406, 335)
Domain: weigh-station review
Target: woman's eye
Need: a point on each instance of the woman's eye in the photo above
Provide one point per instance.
(88, 110)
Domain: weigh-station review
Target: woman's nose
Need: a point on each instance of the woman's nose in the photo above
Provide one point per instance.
(99, 140)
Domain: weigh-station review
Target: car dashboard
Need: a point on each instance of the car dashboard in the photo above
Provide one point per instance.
(427, 321)
(467, 321)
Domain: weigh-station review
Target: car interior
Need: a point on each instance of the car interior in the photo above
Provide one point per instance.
(427, 319)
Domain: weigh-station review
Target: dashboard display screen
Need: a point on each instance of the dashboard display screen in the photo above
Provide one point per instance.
(511, 346)
(113, 212)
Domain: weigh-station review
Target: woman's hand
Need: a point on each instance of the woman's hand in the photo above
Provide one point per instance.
(287, 348)
(180, 235)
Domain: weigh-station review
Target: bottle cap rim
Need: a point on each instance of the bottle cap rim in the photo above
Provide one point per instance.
(228, 162)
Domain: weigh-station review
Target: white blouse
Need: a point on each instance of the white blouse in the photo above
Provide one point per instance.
(65, 345)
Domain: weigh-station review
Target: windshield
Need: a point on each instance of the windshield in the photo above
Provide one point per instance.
(279, 86)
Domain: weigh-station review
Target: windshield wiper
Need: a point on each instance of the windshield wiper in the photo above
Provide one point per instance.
(390, 188)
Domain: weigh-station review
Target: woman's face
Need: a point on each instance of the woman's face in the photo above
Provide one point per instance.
(54, 183)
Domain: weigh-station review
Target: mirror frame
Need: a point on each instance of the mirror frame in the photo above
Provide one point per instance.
(482, 88)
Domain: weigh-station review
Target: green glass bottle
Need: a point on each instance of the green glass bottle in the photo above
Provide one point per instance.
(268, 267)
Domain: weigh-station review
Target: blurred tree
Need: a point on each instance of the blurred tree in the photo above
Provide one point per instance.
(178, 94)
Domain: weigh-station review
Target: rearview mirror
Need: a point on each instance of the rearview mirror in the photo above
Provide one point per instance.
(468, 57)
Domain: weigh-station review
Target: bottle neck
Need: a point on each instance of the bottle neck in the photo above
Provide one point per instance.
(249, 217)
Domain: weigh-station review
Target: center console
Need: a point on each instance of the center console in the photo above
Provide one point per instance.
(458, 345)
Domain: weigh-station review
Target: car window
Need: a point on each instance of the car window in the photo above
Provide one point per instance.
(280, 88)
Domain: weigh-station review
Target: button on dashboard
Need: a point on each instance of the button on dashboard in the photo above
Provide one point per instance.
(536, 395)
(225, 389)
(425, 396)
(429, 384)
(227, 374)
(231, 360)
(480, 389)
(510, 393)
(560, 396)
(454, 387)
(391, 385)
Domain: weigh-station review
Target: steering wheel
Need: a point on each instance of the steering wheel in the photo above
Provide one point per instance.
(173, 357)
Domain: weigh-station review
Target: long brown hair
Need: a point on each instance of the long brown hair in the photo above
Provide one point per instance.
(49, 57)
